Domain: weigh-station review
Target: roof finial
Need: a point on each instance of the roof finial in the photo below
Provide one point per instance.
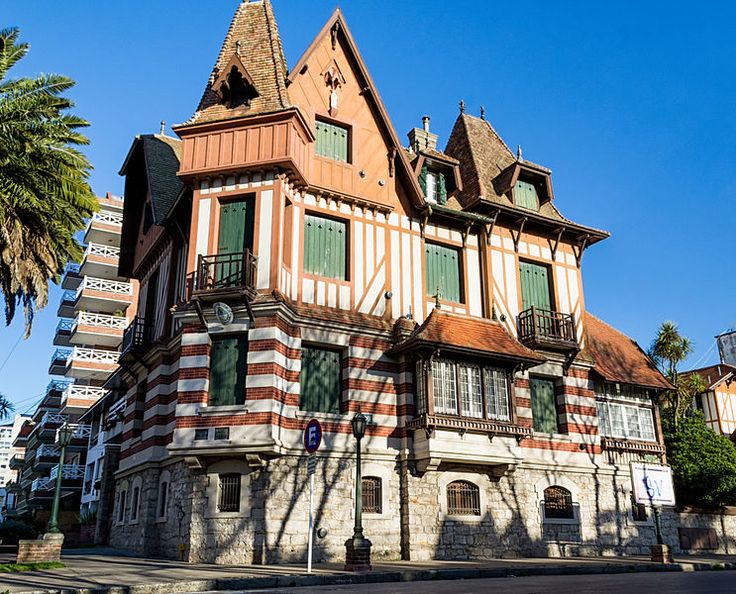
(162, 132)
(482, 112)
(518, 153)
(237, 47)
(437, 297)
(462, 106)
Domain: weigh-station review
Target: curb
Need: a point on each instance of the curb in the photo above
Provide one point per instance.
(341, 579)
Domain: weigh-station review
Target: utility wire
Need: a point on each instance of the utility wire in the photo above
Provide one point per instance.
(17, 342)
(706, 354)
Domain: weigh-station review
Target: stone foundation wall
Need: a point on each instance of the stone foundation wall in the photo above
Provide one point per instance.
(272, 524)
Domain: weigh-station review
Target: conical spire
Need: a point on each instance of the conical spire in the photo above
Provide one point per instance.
(252, 44)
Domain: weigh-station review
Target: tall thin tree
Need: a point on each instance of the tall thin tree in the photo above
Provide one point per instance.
(44, 194)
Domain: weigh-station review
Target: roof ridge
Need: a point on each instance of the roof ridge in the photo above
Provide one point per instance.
(280, 67)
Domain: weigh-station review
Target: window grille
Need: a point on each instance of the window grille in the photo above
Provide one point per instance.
(162, 499)
(445, 389)
(471, 396)
(201, 434)
(229, 493)
(463, 499)
(222, 432)
(497, 394)
(372, 492)
(558, 503)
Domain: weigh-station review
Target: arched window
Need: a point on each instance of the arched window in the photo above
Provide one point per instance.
(372, 495)
(558, 503)
(163, 492)
(463, 499)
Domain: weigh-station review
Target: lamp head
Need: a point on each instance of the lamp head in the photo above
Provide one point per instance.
(359, 423)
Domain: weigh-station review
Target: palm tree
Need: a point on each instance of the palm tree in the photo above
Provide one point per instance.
(668, 350)
(44, 194)
(6, 407)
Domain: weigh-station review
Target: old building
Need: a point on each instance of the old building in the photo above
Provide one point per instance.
(718, 402)
(438, 291)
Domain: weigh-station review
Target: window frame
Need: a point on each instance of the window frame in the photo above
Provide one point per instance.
(135, 502)
(346, 248)
(221, 494)
(557, 430)
(623, 398)
(349, 139)
(122, 502)
(239, 339)
(340, 352)
(573, 519)
(475, 510)
(455, 369)
(377, 490)
(516, 192)
(432, 291)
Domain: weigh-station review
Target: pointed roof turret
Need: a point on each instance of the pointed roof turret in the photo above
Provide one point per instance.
(249, 76)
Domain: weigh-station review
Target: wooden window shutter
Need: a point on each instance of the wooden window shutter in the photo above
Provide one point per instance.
(423, 180)
(320, 380)
(525, 195)
(332, 141)
(443, 271)
(535, 287)
(442, 189)
(544, 405)
(227, 371)
(325, 247)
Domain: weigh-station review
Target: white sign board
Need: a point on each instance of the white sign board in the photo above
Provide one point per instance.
(727, 348)
(652, 484)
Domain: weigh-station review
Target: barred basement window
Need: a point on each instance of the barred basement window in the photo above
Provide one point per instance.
(372, 495)
(201, 434)
(229, 500)
(558, 503)
(463, 499)
(222, 432)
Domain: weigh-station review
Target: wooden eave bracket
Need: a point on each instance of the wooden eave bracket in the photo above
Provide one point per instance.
(490, 226)
(568, 361)
(516, 237)
(553, 246)
(579, 249)
(466, 232)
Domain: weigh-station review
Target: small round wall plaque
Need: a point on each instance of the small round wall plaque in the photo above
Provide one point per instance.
(223, 312)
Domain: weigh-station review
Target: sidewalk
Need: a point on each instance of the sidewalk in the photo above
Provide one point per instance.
(110, 571)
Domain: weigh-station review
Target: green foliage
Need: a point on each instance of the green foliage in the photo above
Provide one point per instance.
(17, 567)
(703, 462)
(6, 407)
(13, 530)
(44, 194)
(88, 516)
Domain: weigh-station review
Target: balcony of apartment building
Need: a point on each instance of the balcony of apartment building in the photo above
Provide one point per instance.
(104, 228)
(17, 461)
(100, 261)
(547, 329)
(225, 276)
(46, 455)
(91, 364)
(59, 360)
(67, 303)
(72, 277)
(63, 332)
(137, 336)
(72, 476)
(97, 329)
(103, 295)
(79, 398)
(110, 202)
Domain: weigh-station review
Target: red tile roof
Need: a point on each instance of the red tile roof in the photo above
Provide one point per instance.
(713, 374)
(619, 358)
(465, 334)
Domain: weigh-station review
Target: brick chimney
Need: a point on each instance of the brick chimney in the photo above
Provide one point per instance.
(422, 138)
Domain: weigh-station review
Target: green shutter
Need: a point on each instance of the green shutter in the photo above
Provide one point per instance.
(442, 189)
(535, 287)
(231, 240)
(227, 371)
(332, 141)
(443, 271)
(423, 180)
(325, 247)
(320, 380)
(525, 194)
(544, 405)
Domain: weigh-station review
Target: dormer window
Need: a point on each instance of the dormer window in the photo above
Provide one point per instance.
(525, 195)
(234, 85)
(433, 184)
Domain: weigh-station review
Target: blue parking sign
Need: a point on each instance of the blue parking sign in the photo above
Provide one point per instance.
(312, 436)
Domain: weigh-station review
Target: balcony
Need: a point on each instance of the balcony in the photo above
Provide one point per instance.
(111, 203)
(72, 278)
(137, 336)
(46, 455)
(220, 276)
(100, 261)
(63, 332)
(544, 329)
(41, 485)
(98, 329)
(17, 461)
(58, 361)
(104, 228)
(91, 364)
(81, 397)
(68, 472)
(103, 295)
(66, 305)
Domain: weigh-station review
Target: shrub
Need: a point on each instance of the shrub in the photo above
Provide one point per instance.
(11, 531)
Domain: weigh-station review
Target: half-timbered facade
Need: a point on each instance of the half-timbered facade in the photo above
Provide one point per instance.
(310, 265)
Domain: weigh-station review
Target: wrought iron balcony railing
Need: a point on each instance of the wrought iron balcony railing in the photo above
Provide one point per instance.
(137, 336)
(100, 320)
(220, 272)
(541, 328)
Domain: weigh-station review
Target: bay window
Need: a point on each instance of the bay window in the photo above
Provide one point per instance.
(469, 390)
(624, 412)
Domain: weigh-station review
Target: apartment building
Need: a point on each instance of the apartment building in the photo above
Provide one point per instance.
(296, 261)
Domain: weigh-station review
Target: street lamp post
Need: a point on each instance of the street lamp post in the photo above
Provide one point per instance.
(358, 548)
(65, 436)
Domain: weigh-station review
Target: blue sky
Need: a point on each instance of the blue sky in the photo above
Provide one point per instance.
(629, 103)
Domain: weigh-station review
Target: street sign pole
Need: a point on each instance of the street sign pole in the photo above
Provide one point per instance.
(312, 441)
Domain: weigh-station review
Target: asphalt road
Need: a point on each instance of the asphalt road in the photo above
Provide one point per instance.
(710, 582)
